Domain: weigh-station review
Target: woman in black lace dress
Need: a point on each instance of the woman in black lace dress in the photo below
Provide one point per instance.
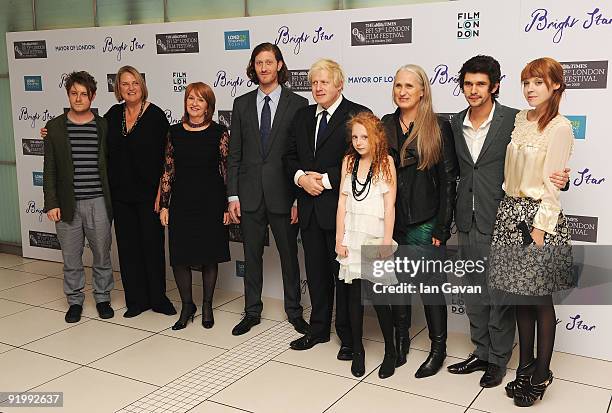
(194, 201)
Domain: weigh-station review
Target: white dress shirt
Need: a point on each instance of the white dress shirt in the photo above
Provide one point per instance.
(330, 111)
(474, 138)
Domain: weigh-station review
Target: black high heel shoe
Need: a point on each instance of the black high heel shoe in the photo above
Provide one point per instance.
(208, 320)
(523, 373)
(186, 314)
(527, 395)
(358, 364)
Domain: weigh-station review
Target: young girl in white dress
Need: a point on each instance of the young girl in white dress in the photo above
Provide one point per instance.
(366, 214)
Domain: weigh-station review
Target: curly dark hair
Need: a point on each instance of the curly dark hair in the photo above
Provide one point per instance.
(283, 73)
(482, 64)
(84, 79)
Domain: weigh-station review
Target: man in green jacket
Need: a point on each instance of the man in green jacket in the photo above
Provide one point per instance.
(76, 191)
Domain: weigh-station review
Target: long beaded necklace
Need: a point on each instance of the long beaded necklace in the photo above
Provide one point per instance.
(124, 130)
(358, 193)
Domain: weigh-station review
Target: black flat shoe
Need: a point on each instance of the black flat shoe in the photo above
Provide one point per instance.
(527, 395)
(187, 312)
(245, 325)
(358, 364)
(208, 320)
(73, 315)
(300, 325)
(132, 312)
(387, 368)
(472, 364)
(345, 353)
(493, 376)
(522, 377)
(105, 311)
(307, 342)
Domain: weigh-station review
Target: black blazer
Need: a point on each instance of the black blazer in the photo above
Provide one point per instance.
(327, 158)
(423, 194)
(255, 172)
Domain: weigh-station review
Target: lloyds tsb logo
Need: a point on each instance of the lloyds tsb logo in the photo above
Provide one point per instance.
(468, 25)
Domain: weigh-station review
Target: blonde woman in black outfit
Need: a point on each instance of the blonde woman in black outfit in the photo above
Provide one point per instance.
(136, 136)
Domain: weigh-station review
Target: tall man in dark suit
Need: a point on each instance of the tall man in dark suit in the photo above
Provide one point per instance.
(318, 143)
(259, 192)
(482, 133)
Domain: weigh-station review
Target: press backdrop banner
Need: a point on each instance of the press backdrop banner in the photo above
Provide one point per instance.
(370, 44)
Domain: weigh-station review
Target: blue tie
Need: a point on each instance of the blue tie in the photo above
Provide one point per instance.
(322, 127)
(265, 124)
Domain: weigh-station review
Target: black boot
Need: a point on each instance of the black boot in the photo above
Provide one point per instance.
(401, 322)
(402, 346)
(436, 323)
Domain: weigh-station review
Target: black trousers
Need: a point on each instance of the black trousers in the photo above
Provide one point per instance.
(140, 243)
(254, 226)
(322, 276)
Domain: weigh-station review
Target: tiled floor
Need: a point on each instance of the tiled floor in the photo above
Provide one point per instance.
(141, 365)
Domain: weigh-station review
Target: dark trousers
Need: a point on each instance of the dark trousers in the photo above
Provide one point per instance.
(140, 243)
(254, 226)
(492, 327)
(322, 275)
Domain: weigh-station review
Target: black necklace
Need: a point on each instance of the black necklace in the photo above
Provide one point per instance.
(195, 125)
(358, 193)
(124, 130)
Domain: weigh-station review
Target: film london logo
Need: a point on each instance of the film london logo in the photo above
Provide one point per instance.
(468, 25)
(169, 43)
(237, 40)
(110, 80)
(379, 32)
(225, 118)
(179, 81)
(41, 239)
(33, 83)
(33, 49)
(582, 228)
(34, 147)
(298, 80)
(586, 74)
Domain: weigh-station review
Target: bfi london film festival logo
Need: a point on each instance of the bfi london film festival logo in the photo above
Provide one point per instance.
(110, 80)
(169, 43)
(298, 80)
(225, 118)
(591, 74)
(34, 147)
(468, 25)
(237, 40)
(33, 83)
(582, 228)
(578, 125)
(42, 239)
(380, 32)
(32, 49)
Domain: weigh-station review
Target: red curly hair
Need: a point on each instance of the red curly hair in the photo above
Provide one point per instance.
(377, 140)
